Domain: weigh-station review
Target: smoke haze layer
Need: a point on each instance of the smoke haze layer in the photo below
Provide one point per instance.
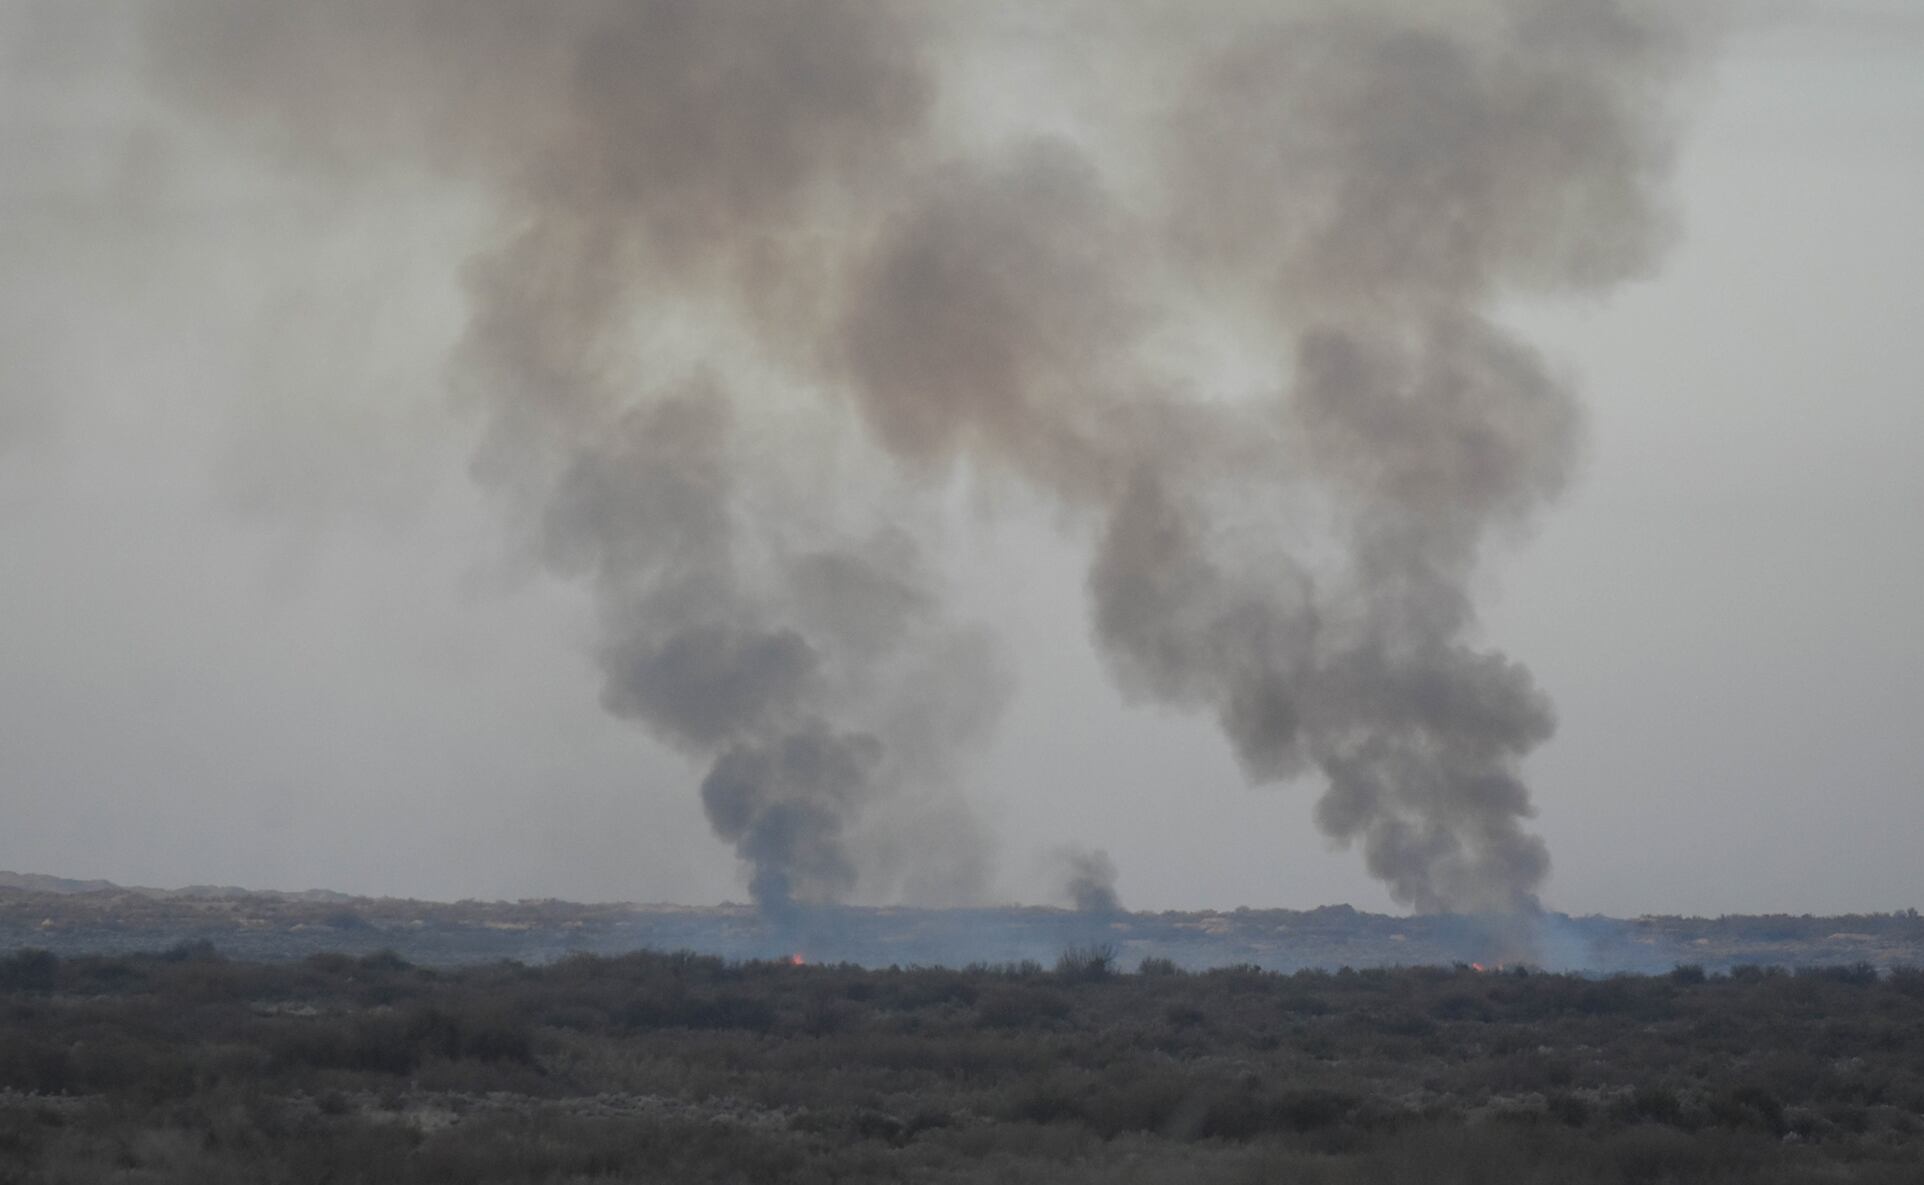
(762, 279)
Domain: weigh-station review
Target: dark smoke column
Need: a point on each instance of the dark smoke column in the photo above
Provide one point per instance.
(1363, 182)
(722, 232)
(698, 148)
(1373, 178)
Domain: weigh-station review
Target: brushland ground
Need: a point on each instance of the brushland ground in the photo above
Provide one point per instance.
(189, 1067)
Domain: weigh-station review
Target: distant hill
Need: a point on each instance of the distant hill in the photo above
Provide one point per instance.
(35, 882)
(97, 916)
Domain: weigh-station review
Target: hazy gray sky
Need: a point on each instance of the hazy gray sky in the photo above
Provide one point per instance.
(259, 625)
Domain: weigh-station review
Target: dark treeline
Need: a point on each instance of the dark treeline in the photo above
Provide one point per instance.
(187, 1066)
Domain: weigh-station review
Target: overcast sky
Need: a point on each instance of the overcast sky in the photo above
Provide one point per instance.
(259, 625)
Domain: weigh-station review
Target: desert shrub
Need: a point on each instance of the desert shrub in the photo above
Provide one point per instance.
(1312, 1109)
(1853, 974)
(1403, 1022)
(1846, 1117)
(1656, 1153)
(822, 1017)
(33, 1065)
(1687, 974)
(924, 1119)
(1020, 969)
(196, 950)
(685, 964)
(1087, 963)
(1221, 1111)
(852, 1123)
(1568, 1109)
(332, 964)
(1530, 1072)
(368, 1045)
(1250, 977)
(1050, 1098)
(1306, 1004)
(484, 1035)
(1460, 1006)
(929, 988)
(1650, 1104)
(29, 970)
(1609, 998)
(727, 1011)
(1135, 1101)
(579, 1017)
(1184, 1016)
(654, 1066)
(674, 1009)
(1022, 1006)
(383, 962)
(105, 976)
(133, 1069)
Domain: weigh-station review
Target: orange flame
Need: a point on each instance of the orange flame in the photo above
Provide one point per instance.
(1478, 967)
(796, 959)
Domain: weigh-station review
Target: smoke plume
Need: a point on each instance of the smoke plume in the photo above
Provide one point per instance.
(1090, 880)
(744, 251)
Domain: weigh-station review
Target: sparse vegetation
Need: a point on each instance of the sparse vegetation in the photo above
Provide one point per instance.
(1089, 963)
(187, 1067)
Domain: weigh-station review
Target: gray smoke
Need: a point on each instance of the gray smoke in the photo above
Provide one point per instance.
(1378, 185)
(726, 230)
(1089, 880)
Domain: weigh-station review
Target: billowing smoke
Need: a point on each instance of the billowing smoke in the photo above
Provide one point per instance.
(1089, 879)
(743, 251)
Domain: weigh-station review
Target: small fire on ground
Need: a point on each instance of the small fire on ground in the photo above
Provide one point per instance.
(797, 959)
